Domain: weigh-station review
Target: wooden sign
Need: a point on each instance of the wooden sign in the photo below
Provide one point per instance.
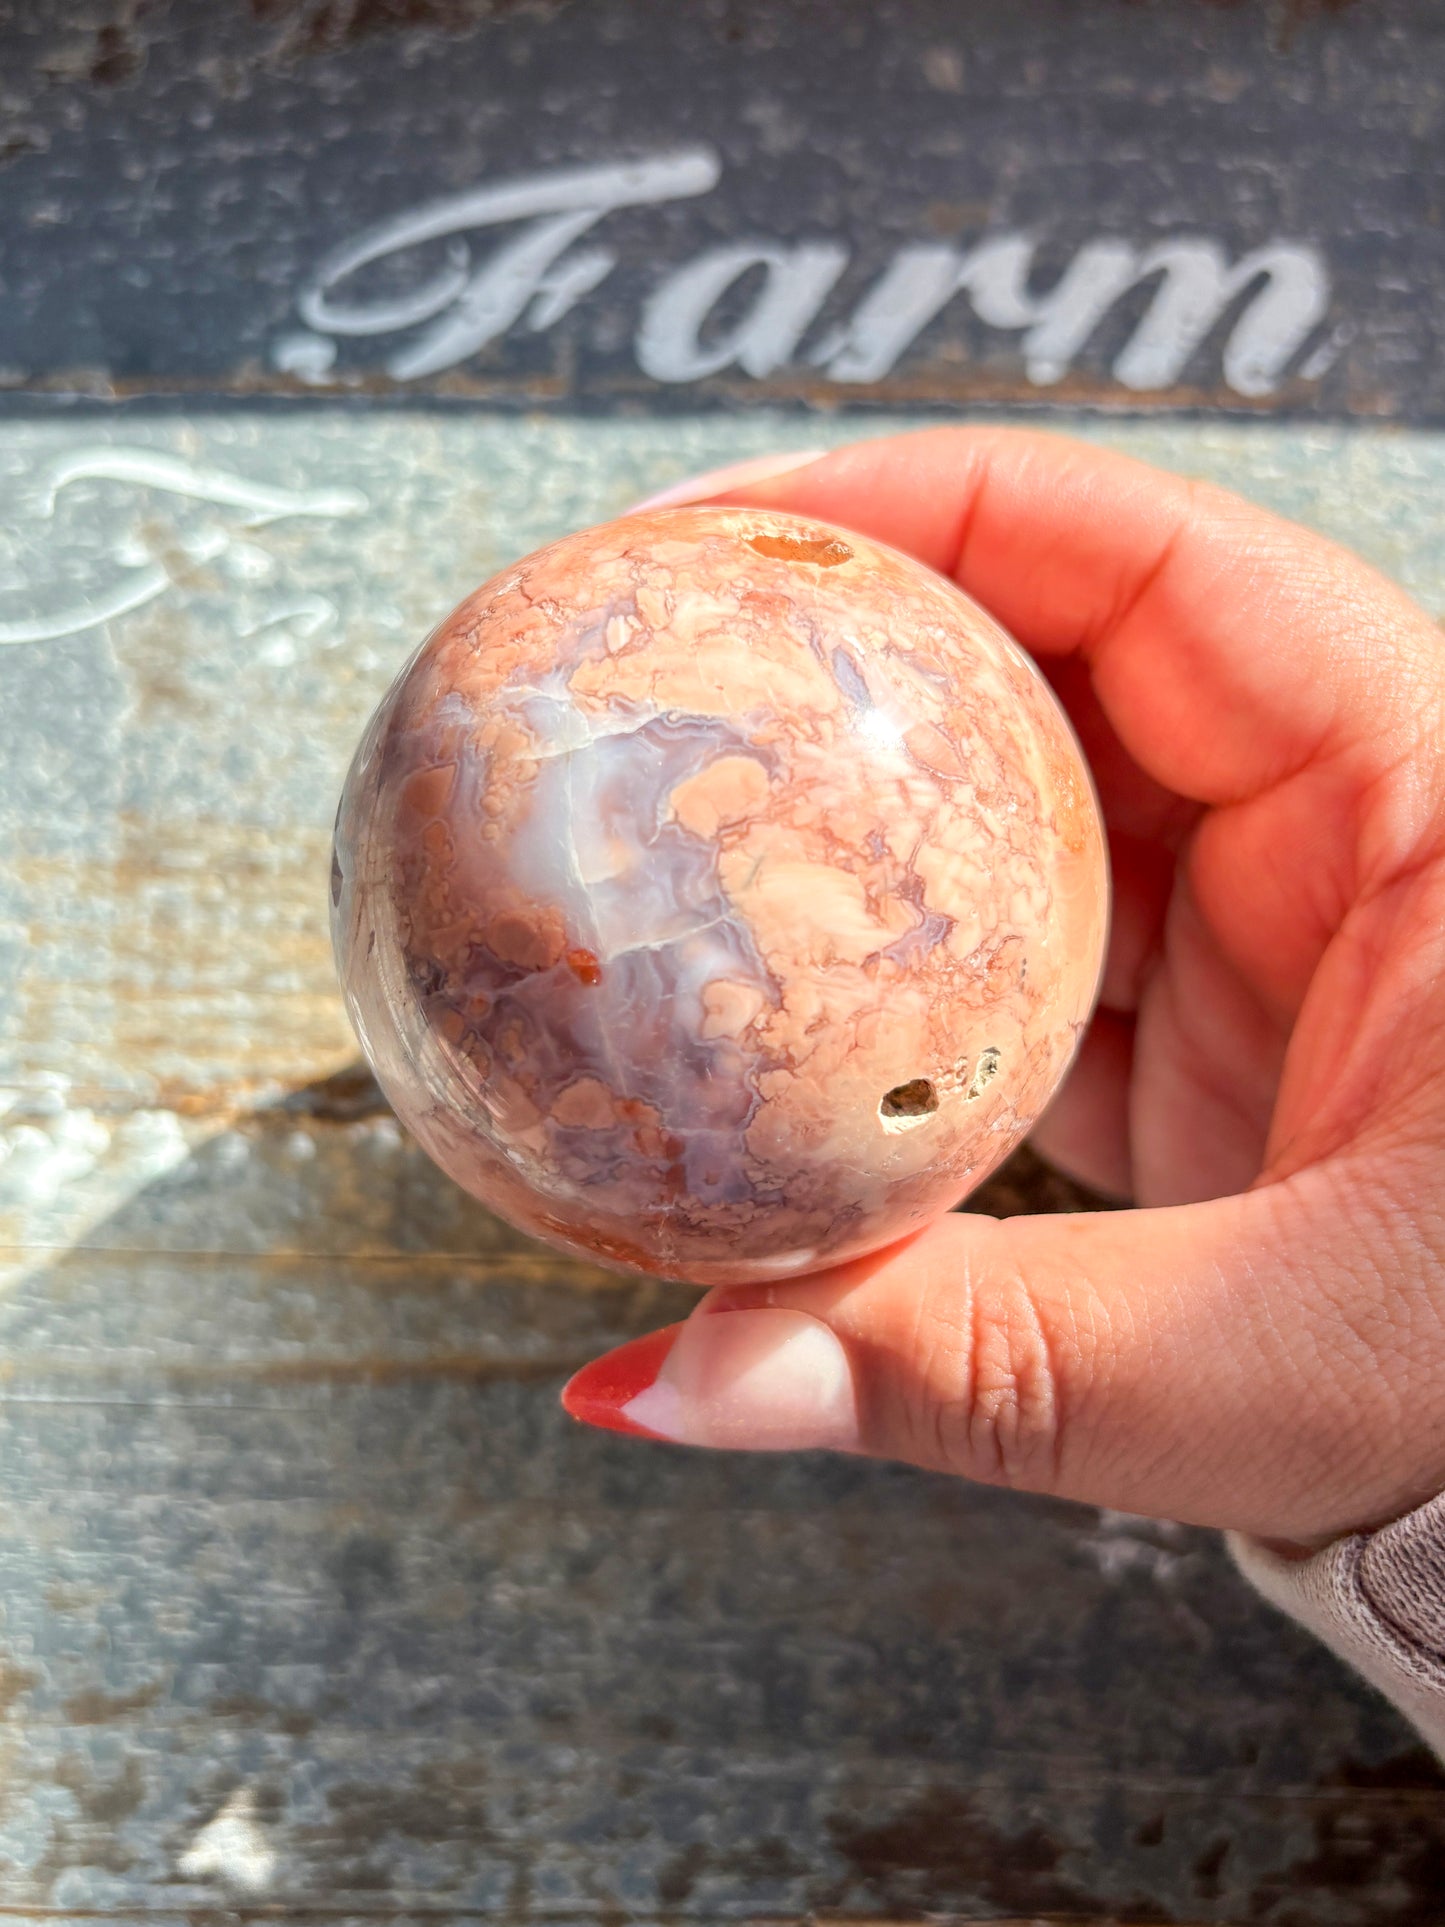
(1179, 206)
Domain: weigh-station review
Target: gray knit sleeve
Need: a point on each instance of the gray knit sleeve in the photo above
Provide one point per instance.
(1378, 1600)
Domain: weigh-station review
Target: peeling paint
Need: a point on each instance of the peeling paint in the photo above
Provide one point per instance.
(232, 1848)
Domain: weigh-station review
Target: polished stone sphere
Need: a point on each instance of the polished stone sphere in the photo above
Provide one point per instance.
(719, 894)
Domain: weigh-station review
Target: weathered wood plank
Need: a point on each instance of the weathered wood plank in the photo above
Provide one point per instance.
(443, 1651)
(167, 781)
(311, 1605)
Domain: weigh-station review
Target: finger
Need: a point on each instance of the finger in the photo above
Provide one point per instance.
(1085, 1131)
(1187, 1363)
(1142, 881)
(1175, 1104)
(1208, 1057)
(1228, 647)
(1134, 805)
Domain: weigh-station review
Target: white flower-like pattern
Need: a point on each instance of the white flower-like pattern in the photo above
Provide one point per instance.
(139, 578)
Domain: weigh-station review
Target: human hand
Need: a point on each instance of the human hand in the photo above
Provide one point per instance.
(1260, 1342)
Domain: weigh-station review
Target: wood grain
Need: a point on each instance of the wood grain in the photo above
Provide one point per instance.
(196, 170)
(312, 1606)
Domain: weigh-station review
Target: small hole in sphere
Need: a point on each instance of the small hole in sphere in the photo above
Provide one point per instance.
(985, 1071)
(908, 1103)
(826, 550)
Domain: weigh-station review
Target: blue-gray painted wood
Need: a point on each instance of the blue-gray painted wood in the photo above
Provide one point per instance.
(1182, 206)
(312, 1606)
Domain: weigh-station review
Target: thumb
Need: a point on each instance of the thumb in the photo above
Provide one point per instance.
(1194, 1362)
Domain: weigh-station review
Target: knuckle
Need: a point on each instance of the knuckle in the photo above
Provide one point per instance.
(994, 1370)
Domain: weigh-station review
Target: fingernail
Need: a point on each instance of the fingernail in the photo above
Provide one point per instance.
(755, 1381)
(601, 1392)
(698, 488)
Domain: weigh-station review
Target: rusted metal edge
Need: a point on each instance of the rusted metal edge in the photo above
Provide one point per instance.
(935, 385)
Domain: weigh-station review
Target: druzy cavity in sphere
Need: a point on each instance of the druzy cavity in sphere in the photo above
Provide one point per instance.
(719, 893)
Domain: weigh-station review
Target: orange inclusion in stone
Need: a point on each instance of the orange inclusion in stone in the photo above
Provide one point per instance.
(584, 966)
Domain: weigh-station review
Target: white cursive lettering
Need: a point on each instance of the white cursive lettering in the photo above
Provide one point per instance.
(797, 282)
(1267, 304)
(474, 307)
(1196, 288)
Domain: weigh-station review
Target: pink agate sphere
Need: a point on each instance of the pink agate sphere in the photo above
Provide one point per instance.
(719, 894)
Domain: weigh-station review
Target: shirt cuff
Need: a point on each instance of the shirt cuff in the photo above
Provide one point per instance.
(1378, 1600)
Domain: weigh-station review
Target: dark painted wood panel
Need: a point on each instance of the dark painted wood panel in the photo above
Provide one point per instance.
(316, 1607)
(613, 203)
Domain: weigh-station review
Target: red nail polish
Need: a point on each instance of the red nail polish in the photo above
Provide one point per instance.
(597, 1393)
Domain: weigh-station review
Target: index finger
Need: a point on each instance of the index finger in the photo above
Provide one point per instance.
(1229, 648)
